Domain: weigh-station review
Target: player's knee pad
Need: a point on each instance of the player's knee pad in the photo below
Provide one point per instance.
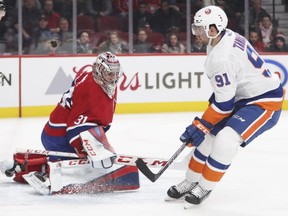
(25, 163)
(226, 145)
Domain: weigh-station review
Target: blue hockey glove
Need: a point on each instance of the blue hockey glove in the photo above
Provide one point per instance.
(194, 133)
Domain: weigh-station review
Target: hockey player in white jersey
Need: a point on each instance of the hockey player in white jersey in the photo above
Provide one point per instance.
(246, 101)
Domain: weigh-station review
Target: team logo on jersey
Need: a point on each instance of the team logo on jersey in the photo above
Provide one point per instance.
(279, 69)
(208, 11)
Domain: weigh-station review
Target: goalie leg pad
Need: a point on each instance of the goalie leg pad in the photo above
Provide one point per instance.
(121, 179)
(25, 163)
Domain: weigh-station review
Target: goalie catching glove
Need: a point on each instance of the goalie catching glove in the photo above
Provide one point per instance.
(195, 133)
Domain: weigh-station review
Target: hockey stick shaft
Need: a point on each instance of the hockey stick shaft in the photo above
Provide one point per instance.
(142, 166)
(46, 152)
(120, 158)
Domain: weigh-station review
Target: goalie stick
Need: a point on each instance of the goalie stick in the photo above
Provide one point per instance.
(142, 166)
(120, 158)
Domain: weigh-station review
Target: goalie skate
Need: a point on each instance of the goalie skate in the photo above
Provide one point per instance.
(177, 191)
(39, 181)
(7, 168)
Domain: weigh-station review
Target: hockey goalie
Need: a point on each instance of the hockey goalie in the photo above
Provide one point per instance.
(78, 125)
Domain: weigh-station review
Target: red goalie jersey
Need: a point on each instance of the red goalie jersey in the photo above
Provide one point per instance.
(84, 106)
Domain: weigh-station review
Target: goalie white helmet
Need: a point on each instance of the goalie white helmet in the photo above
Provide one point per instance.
(207, 16)
(107, 72)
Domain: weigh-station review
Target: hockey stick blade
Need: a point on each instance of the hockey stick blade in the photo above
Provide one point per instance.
(141, 165)
(149, 174)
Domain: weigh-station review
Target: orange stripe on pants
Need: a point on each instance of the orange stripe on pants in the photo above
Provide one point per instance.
(257, 124)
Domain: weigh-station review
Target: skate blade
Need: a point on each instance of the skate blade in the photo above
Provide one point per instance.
(170, 199)
(188, 205)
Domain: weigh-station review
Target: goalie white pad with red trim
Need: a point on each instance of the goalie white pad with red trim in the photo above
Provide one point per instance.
(100, 153)
(78, 176)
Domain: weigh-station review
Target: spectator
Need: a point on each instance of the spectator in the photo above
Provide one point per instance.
(165, 18)
(141, 17)
(197, 45)
(121, 9)
(195, 6)
(52, 17)
(30, 18)
(256, 40)
(37, 4)
(7, 11)
(173, 45)
(11, 42)
(255, 14)
(83, 43)
(65, 8)
(113, 44)
(236, 6)
(141, 45)
(98, 8)
(267, 30)
(95, 8)
(230, 11)
(66, 37)
(39, 37)
(279, 44)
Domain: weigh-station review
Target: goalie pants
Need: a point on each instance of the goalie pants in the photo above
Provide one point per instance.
(212, 158)
(56, 143)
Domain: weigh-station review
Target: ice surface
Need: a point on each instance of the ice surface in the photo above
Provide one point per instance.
(255, 184)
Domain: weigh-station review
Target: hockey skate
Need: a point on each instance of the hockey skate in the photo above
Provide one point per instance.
(9, 168)
(39, 181)
(196, 196)
(177, 191)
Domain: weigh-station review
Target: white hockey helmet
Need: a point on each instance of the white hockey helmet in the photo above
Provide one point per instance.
(207, 16)
(107, 71)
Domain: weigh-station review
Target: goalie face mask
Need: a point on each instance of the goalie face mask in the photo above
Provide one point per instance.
(107, 71)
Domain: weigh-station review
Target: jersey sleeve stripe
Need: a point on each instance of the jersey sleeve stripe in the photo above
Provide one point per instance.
(56, 125)
(88, 124)
(213, 115)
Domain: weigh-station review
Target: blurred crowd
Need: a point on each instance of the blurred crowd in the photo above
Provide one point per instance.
(159, 26)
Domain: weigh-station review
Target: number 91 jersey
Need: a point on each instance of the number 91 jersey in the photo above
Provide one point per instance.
(238, 74)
